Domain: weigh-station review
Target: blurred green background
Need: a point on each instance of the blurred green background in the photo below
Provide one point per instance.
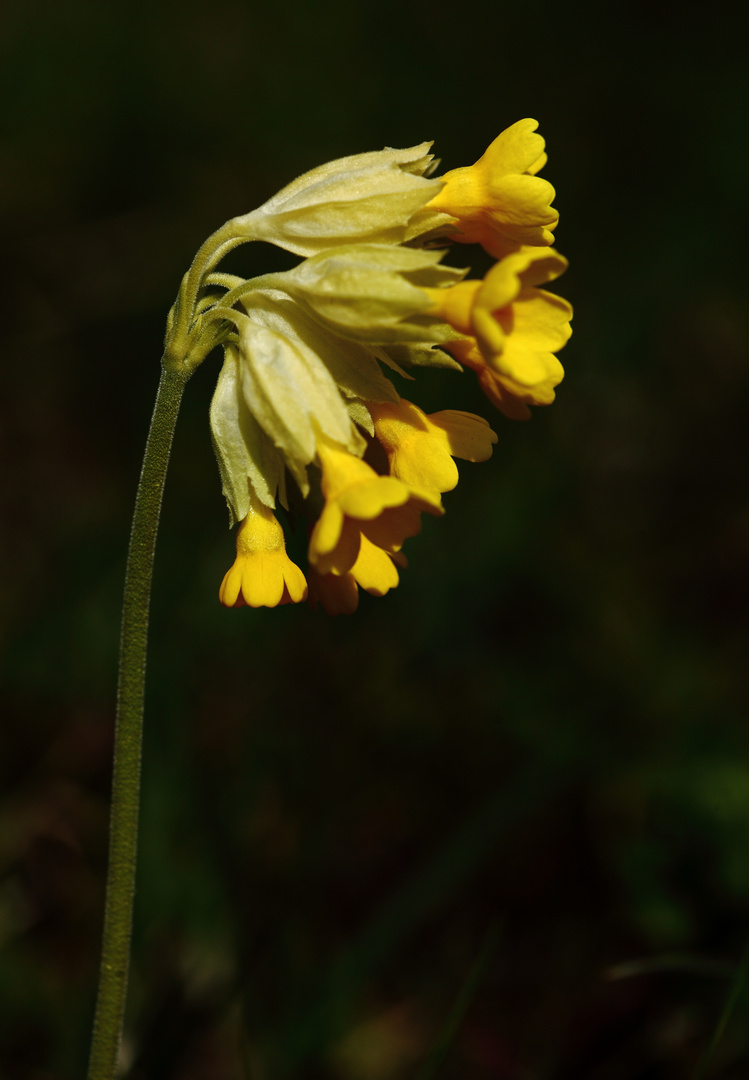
(542, 733)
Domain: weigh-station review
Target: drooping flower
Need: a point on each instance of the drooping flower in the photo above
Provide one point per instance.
(359, 503)
(511, 328)
(500, 202)
(262, 575)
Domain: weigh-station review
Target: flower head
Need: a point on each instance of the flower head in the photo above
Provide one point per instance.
(305, 413)
(499, 202)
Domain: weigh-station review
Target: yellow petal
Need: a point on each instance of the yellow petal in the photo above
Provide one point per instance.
(366, 501)
(527, 267)
(515, 150)
(468, 436)
(337, 557)
(374, 570)
(338, 594)
(420, 448)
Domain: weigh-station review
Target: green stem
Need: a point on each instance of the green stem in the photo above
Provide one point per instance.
(123, 834)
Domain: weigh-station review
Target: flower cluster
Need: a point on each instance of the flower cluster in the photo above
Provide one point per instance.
(304, 415)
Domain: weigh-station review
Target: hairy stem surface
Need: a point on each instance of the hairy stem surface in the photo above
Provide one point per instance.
(123, 829)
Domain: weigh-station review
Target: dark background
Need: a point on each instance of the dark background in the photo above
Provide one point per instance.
(542, 733)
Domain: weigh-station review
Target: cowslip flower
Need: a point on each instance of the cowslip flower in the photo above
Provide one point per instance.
(306, 416)
(359, 503)
(500, 202)
(511, 329)
(262, 575)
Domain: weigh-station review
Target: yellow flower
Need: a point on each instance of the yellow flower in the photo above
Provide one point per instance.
(420, 448)
(509, 397)
(374, 571)
(510, 329)
(359, 503)
(262, 575)
(499, 202)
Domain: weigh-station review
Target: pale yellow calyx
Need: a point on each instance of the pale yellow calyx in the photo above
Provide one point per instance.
(369, 197)
(246, 457)
(420, 448)
(290, 391)
(377, 293)
(499, 202)
(262, 575)
(353, 365)
(359, 502)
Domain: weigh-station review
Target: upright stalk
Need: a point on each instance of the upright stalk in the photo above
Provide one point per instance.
(123, 834)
